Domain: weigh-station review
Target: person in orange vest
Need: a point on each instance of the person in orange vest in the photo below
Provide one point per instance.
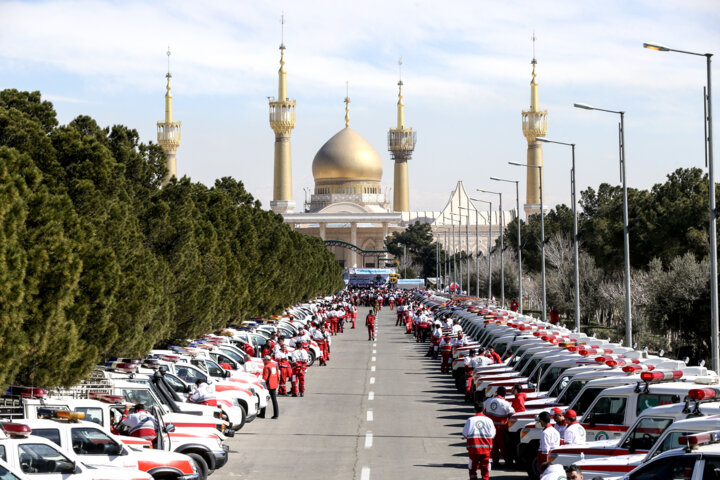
(514, 305)
(370, 324)
(446, 346)
(271, 375)
(283, 360)
(499, 410)
(518, 402)
(479, 432)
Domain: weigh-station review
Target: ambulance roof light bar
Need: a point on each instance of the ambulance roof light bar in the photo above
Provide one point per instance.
(694, 441)
(16, 430)
(26, 392)
(704, 393)
(649, 377)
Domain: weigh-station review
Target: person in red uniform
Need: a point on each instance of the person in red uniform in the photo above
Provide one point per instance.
(370, 324)
(283, 360)
(446, 346)
(249, 349)
(518, 402)
(140, 423)
(494, 355)
(479, 432)
(499, 411)
(271, 375)
(514, 305)
(554, 316)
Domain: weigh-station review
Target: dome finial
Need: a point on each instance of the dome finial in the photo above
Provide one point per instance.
(534, 62)
(400, 105)
(168, 76)
(347, 104)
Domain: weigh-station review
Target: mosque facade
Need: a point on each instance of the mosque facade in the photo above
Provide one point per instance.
(348, 209)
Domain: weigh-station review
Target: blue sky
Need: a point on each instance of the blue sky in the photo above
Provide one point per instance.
(466, 69)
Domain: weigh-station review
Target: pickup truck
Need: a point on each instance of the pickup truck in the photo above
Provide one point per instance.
(43, 460)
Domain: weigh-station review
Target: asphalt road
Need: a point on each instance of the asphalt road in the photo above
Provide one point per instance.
(379, 410)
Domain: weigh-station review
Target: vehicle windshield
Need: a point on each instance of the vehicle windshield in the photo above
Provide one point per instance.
(559, 386)
(572, 390)
(41, 458)
(550, 377)
(5, 474)
(189, 375)
(91, 441)
(530, 366)
(645, 433)
(233, 355)
(586, 399)
(139, 395)
(607, 411)
(175, 383)
(500, 349)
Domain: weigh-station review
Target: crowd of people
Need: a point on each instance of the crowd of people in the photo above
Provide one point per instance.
(486, 432)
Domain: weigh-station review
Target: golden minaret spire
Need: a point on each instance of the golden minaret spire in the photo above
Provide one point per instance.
(282, 121)
(401, 143)
(534, 124)
(347, 105)
(168, 132)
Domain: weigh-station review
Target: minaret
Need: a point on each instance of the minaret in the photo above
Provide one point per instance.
(401, 143)
(534, 124)
(168, 132)
(282, 121)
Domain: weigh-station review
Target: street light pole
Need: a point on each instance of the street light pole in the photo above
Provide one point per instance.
(714, 340)
(477, 254)
(626, 228)
(489, 246)
(542, 239)
(575, 234)
(519, 245)
(501, 219)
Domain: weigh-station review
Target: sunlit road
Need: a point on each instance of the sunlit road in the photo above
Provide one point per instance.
(379, 410)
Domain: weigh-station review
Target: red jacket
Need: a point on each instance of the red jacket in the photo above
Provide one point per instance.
(518, 402)
(370, 320)
(270, 375)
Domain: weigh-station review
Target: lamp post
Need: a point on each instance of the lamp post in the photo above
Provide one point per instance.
(575, 234)
(489, 247)
(502, 246)
(707, 94)
(626, 229)
(519, 245)
(467, 244)
(459, 262)
(542, 239)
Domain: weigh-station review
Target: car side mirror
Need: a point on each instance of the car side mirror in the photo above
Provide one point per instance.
(226, 374)
(188, 389)
(76, 469)
(169, 428)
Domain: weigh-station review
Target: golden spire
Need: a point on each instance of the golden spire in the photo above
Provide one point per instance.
(168, 94)
(400, 105)
(282, 74)
(534, 102)
(347, 105)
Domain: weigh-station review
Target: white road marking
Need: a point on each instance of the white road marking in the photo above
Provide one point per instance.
(371, 395)
(365, 475)
(374, 359)
(372, 369)
(369, 415)
(372, 380)
(374, 351)
(368, 439)
(374, 344)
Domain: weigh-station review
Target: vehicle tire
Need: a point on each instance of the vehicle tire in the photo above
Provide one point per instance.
(243, 418)
(312, 358)
(202, 465)
(531, 463)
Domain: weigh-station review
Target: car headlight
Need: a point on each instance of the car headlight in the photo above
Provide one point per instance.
(263, 384)
(219, 442)
(552, 457)
(524, 433)
(252, 389)
(194, 466)
(512, 422)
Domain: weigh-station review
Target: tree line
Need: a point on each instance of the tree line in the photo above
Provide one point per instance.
(98, 258)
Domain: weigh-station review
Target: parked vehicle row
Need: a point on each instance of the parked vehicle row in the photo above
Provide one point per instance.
(638, 410)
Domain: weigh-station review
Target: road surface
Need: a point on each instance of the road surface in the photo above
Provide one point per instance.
(379, 411)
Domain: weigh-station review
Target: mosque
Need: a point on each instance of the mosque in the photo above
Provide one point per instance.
(347, 208)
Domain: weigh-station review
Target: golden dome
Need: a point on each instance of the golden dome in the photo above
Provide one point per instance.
(347, 156)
